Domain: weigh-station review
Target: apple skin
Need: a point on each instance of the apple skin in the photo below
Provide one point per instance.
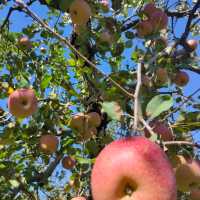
(144, 28)
(87, 134)
(149, 9)
(181, 78)
(78, 122)
(106, 36)
(49, 144)
(161, 129)
(194, 194)
(161, 75)
(80, 12)
(133, 163)
(25, 42)
(94, 119)
(78, 198)
(159, 20)
(187, 172)
(68, 162)
(192, 44)
(22, 103)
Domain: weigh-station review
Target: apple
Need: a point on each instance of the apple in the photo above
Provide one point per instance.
(192, 44)
(78, 198)
(106, 36)
(88, 134)
(64, 5)
(80, 12)
(161, 129)
(146, 81)
(149, 9)
(161, 75)
(25, 42)
(187, 172)
(68, 162)
(133, 168)
(144, 28)
(159, 20)
(94, 119)
(49, 144)
(79, 122)
(181, 78)
(194, 194)
(22, 102)
(79, 29)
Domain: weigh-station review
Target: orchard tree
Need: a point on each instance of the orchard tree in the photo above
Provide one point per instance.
(99, 100)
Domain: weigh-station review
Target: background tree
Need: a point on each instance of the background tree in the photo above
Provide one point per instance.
(87, 73)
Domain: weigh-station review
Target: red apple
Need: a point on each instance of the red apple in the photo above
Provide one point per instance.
(79, 122)
(159, 20)
(106, 36)
(94, 119)
(195, 194)
(133, 168)
(78, 198)
(161, 129)
(68, 162)
(192, 44)
(161, 75)
(49, 143)
(80, 12)
(144, 28)
(149, 9)
(22, 103)
(181, 78)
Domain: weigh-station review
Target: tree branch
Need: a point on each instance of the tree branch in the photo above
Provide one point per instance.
(67, 43)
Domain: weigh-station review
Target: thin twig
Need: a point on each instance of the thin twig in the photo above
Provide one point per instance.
(136, 95)
(179, 107)
(168, 143)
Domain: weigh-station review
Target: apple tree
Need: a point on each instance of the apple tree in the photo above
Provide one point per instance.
(95, 91)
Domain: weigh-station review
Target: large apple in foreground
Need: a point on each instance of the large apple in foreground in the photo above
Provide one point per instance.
(133, 169)
(22, 103)
(78, 198)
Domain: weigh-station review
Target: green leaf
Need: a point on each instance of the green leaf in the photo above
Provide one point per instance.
(113, 109)
(46, 80)
(84, 160)
(158, 104)
(14, 183)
